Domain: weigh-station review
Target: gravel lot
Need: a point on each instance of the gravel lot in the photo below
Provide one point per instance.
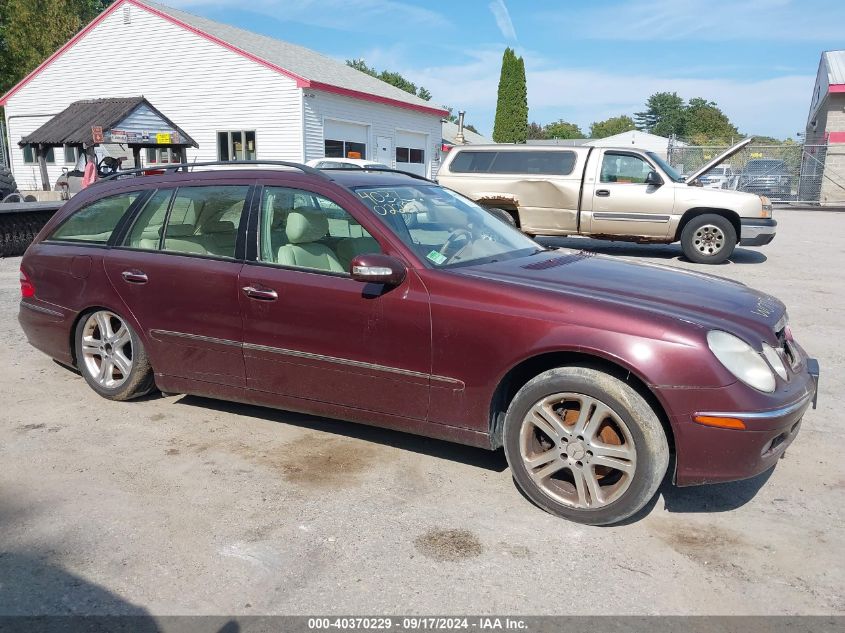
(183, 505)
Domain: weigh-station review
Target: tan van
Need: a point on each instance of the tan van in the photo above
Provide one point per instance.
(608, 193)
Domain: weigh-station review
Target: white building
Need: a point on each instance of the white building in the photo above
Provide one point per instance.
(236, 93)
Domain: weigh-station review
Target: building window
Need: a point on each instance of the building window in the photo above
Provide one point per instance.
(157, 155)
(72, 153)
(410, 155)
(30, 155)
(238, 145)
(344, 149)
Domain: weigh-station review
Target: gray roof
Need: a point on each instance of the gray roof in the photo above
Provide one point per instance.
(450, 131)
(835, 62)
(72, 126)
(298, 60)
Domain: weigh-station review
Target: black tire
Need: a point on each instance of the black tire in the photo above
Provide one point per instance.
(702, 228)
(7, 183)
(504, 216)
(140, 380)
(17, 230)
(650, 456)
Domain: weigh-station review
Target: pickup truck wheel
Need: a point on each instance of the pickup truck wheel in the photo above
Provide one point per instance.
(584, 445)
(502, 215)
(708, 239)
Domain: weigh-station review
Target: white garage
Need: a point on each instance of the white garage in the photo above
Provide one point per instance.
(251, 96)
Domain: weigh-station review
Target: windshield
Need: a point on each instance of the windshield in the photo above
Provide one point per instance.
(444, 228)
(666, 167)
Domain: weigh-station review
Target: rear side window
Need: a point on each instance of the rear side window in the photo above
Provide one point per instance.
(194, 220)
(95, 223)
(540, 162)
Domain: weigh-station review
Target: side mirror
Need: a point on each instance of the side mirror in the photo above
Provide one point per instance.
(376, 268)
(653, 178)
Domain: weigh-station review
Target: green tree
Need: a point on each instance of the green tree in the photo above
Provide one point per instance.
(511, 123)
(563, 129)
(536, 131)
(393, 78)
(32, 30)
(611, 126)
(705, 123)
(664, 115)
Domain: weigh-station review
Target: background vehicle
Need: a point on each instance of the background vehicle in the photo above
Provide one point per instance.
(394, 293)
(766, 176)
(606, 193)
(720, 177)
(342, 163)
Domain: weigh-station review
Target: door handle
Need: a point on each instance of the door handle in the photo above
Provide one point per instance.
(603, 193)
(263, 294)
(134, 276)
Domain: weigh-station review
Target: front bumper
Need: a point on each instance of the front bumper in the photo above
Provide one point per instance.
(706, 454)
(757, 231)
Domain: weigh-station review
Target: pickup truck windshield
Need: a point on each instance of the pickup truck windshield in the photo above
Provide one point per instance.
(444, 228)
(666, 167)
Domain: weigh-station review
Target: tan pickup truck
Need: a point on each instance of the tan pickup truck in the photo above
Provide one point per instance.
(609, 193)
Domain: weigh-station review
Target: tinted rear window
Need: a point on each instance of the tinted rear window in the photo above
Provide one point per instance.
(514, 162)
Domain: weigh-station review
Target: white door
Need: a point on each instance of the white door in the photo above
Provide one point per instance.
(411, 153)
(384, 150)
(345, 140)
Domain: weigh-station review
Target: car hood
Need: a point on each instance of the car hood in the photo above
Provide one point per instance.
(701, 299)
(721, 157)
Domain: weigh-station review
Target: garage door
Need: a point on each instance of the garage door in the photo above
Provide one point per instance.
(345, 140)
(411, 152)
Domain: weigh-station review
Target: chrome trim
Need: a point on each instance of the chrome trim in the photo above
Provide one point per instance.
(353, 363)
(196, 337)
(42, 309)
(454, 383)
(750, 231)
(632, 217)
(764, 415)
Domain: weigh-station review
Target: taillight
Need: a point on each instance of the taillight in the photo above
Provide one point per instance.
(27, 289)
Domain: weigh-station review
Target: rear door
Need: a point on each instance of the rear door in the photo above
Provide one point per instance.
(176, 269)
(312, 332)
(622, 203)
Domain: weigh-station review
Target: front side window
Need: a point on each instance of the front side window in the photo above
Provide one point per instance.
(344, 149)
(96, 222)
(192, 220)
(236, 145)
(300, 229)
(624, 169)
(444, 228)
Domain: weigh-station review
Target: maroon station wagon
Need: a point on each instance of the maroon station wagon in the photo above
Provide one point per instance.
(377, 297)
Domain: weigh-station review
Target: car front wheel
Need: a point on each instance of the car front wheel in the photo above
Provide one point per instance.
(111, 357)
(585, 446)
(708, 239)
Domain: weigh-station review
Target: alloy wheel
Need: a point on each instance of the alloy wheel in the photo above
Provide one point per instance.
(577, 450)
(107, 349)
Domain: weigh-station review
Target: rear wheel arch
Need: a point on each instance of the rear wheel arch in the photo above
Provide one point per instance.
(505, 205)
(529, 368)
(124, 314)
(731, 216)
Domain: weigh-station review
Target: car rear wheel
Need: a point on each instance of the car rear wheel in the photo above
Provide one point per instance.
(111, 357)
(708, 239)
(504, 216)
(585, 446)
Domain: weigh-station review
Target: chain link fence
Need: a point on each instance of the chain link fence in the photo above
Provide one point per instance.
(786, 173)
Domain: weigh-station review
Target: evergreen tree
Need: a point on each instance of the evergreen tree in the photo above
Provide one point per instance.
(511, 123)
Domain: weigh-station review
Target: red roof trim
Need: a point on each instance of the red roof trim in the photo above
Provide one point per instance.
(836, 88)
(301, 82)
(53, 57)
(365, 96)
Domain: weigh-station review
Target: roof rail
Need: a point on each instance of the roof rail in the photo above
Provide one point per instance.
(375, 168)
(189, 167)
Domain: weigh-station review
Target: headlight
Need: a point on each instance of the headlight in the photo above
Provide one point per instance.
(766, 207)
(774, 360)
(741, 360)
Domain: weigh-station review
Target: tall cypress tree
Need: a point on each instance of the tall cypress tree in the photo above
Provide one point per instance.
(511, 124)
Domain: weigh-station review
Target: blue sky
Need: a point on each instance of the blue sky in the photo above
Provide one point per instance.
(585, 60)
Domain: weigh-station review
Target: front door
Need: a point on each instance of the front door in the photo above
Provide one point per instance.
(311, 331)
(622, 202)
(177, 272)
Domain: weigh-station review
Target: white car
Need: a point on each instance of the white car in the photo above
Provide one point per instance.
(720, 177)
(344, 163)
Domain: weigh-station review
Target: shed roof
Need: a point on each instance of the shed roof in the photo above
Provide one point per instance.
(72, 126)
(450, 131)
